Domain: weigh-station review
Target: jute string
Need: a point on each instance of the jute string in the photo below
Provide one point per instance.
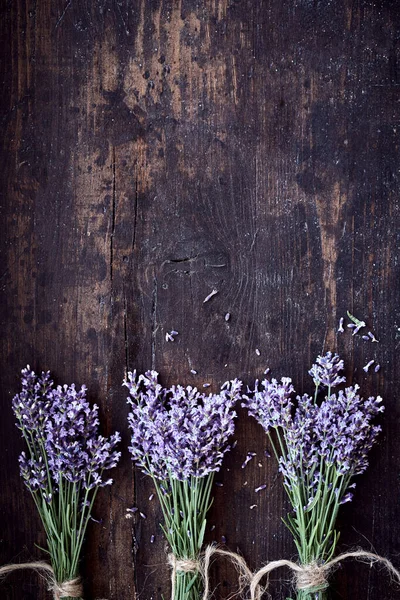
(67, 589)
(202, 566)
(312, 577)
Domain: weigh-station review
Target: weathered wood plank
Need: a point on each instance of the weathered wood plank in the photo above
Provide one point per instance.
(154, 151)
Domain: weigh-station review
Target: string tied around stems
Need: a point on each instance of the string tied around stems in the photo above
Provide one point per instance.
(314, 576)
(72, 588)
(202, 564)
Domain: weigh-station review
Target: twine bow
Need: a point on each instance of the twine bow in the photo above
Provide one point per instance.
(314, 577)
(66, 589)
(202, 566)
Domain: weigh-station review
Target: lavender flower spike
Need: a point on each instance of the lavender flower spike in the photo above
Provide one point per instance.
(326, 370)
(179, 431)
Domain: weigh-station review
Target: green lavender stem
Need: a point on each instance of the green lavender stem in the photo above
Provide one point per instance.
(185, 505)
(304, 595)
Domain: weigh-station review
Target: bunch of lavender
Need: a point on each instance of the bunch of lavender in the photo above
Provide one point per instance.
(64, 464)
(320, 446)
(179, 438)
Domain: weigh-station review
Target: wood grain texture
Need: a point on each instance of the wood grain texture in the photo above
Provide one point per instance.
(154, 151)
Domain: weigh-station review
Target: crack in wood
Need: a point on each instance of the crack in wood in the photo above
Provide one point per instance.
(112, 216)
(154, 324)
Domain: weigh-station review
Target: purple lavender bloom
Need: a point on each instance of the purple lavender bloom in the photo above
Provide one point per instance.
(179, 432)
(339, 431)
(271, 406)
(326, 370)
(59, 424)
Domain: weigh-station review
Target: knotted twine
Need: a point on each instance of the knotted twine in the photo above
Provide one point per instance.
(312, 577)
(67, 589)
(201, 565)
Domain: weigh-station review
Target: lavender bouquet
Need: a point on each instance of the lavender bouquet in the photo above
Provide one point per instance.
(63, 468)
(320, 447)
(179, 438)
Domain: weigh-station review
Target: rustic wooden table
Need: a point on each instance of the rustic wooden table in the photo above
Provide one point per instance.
(153, 151)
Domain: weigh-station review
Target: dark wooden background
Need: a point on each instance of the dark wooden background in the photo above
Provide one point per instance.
(153, 151)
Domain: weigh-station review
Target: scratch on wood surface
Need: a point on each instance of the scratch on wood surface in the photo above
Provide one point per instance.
(154, 324)
(63, 13)
(113, 209)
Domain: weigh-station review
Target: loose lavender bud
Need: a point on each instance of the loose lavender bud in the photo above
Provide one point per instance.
(153, 537)
(356, 323)
(367, 366)
(340, 328)
(261, 487)
(377, 368)
(193, 372)
(206, 385)
(207, 298)
(373, 338)
(223, 539)
(249, 457)
(258, 352)
(227, 316)
(219, 484)
(365, 338)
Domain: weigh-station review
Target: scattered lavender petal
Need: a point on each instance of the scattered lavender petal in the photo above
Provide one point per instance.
(153, 537)
(169, 338)
(373, 338)
(366, 338)
(207, 298)
(143, 515)
(248, 458)
(227, 316)
(261, 487)
(253, 506)
(340, 328)
(206, 385)
(258, 352)
(96, 520)
(267, 454)
(174, 332)
(151, 497)
(351, 325)
(377, 368)
(266, 371)
(212, 527)
(219, 484)
(235, 443)
(223, 539)
(260, 465)
(193, 371)
(367, 366)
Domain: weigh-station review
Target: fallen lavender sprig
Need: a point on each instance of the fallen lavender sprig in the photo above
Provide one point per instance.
(320, 446)
(179, 437)
(64, 465)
